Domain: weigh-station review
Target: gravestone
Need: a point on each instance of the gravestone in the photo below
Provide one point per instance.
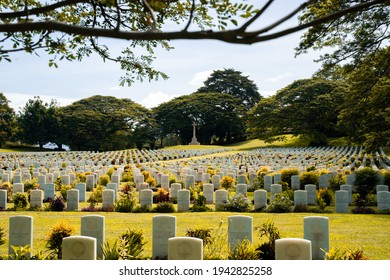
(163, 228)
(165, 181)
(36, 199)
(341, 201)
(347, 188)
(17, 179)
(82, 188)
(41, 180)
(190, 181)
(72, 197)
(90, 182)
(183, 200)
(116, 178)
(146, 198)
(49, 178)
(295, 182)
(94, 226)
(275, 188)
(185, 248)
(260, 199)
(239, 228)
(108, 197)
(383, 200)
(18, 187)
(3, 199)
(277, 178)
(311, 193)
(292, 249)
(241, 179)
(206, 178)
(5, 178)
(216, 181)
(65, 180)
(382, 188)
(114, 187)
(20, 232)
(174, 188)
(267, 182)
(208, 193)
(79, 248)
(138, 180)
(241, 189)
(323, 181)
(300, 198)
(221, 197)
(316, 229)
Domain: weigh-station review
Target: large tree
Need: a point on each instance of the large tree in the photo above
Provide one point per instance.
(232, 82)
(102, 122)
(7, 120)
(217, 116)
(366, 112)
(38, 122)
(308, 108)
(70, 29)
(351, 37)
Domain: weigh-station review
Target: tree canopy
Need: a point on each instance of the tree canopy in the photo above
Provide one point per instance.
(7, 120)
(308, 108)
(232, 82)
(72, 29)
(102, 122)
(216, 115)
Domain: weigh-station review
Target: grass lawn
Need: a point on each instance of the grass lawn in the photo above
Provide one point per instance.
(370, 232)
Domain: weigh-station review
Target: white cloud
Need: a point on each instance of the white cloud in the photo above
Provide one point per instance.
(200, 77)
(279, 77)
(267, 93)
(156, 98)
(19, 100)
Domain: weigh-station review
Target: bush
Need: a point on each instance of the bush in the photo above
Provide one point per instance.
(326, 195)
(54, 241)
(64, 191)
(57, 204)
(20, 201)
(2, 234)
(386, 177)
(287, 174)
(366, 181)
(271, 233)
(307, 178)
(201, 233)
(227, 183)
(237, 203)
(127, 176)
(162, 195)
(281, 204)
(200, 205)
(31, 184)
(164, 207)
(125, 204)
(104, 180)
(96, 196)
(244, 250)
(216, 249)
(345, 254)
(131, 243)
(336, 181)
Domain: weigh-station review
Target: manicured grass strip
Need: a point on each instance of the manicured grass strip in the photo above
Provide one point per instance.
(370, 232)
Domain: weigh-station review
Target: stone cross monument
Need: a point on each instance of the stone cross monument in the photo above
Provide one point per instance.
(194, 141)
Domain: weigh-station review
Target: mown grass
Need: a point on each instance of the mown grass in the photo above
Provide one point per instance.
(370, 232)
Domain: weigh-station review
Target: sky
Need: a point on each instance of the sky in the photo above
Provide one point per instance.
(271, 65)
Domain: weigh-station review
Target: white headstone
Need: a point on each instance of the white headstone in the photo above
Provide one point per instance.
(82, 188)
(382, 188)
(90, 182)
(3, 200)
(183, 200)
(208, 193)
(146, 198)
(341, 201)
(275, 188)
(185, 248)
(20, 232)
(295, 182)
(174, 188)
(79, 248)
(216, 181)
(72, 197)
(268, 182)
(18, 187)
(94, 226)
(383, 200)
(114, 187)
(260, 199)
(163, 228)
(292, 249)
(36, 199)
(239, 228)
(108, 197)
(300, 198)
(347, 188)
(311, 193)
(165, 181)
(316, 229)
(190, 181)
(221, 197)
